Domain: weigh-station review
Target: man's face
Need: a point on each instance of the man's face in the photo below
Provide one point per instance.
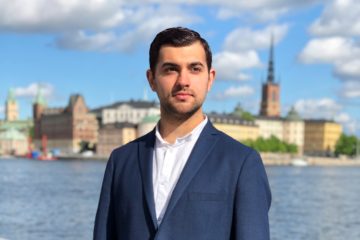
(181, 79)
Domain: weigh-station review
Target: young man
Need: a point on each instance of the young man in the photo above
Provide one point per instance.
(185, 180)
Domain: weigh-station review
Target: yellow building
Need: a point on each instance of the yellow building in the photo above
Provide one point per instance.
(114, 135)
(235, 127)
(321, 136)
(270, 126)
(294, 130)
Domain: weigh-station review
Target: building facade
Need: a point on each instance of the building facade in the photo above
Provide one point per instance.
(270, 126)
(234, 126)
(293, 130)
(114, 135)
(64, 128)
(289, 129)
(14, 132)
(147, 124)
(321, 137)
(13, 142)
(128, 111)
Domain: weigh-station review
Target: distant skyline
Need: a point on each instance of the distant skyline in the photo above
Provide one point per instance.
(99, 48)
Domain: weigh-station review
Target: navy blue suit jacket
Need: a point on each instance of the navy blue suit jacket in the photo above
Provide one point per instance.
(222, 193)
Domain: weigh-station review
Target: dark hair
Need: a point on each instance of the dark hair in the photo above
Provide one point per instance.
(177, 37)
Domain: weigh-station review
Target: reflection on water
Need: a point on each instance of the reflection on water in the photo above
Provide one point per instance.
(315, 202)
(48, 200)
(58, 200)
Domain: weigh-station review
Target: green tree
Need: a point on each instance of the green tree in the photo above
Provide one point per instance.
(346, 145)
(272, 144)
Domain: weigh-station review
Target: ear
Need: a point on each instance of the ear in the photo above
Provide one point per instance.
(151, 80)
(212, 74)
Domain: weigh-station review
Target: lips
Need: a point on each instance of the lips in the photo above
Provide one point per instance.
(182, 95)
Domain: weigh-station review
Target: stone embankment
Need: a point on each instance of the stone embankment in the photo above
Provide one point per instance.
(270, 159)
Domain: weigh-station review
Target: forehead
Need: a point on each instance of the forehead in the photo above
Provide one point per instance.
(190, 53)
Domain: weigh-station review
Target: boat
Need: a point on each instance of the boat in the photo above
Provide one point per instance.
(42, 155)
(299, 162)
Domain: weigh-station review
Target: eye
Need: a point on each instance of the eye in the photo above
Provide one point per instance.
(170, 69)
(196, 68)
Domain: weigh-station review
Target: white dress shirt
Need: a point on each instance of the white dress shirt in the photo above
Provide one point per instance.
(168, 163)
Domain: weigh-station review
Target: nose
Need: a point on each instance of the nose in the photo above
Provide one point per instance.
(183, 78)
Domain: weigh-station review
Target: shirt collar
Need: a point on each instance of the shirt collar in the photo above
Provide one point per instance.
(188, 137)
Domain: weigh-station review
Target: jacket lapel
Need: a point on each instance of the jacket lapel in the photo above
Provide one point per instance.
(146, 150)
(200, 152)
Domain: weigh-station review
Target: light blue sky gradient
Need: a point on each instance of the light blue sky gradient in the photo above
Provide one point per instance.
(99, 48)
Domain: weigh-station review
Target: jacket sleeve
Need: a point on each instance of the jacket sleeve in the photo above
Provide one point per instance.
(252, 201)
(104, 221)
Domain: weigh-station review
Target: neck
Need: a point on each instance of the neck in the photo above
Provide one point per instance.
(172, 128)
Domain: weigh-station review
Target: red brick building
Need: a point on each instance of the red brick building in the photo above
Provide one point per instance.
(65, 128)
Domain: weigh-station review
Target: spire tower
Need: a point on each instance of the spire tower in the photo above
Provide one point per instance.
(270, 99)
(270, 76)
(11, 107)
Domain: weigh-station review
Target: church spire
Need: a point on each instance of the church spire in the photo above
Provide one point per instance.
(11, 96)
(11, 107)
(270, 100)
(39, 98)
(270, 77)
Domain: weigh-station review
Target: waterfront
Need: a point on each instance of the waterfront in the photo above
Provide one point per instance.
(58, 200)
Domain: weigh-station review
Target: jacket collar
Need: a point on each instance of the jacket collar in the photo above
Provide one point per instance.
(199, 154)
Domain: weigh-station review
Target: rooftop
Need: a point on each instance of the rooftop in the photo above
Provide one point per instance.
(132, 103)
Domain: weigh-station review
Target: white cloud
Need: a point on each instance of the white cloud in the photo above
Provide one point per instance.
(85, 42)
(324, 108)
(144, 24)
(351, 89)
(258, 10)
(329, 50)
(350, 125)
(229, 65)
(336, 42)
(242, 39)
(59, 15)
(235, 92)
(118, 25)
(239, 51)
(327, 108)
(349, 69)
(341, 17)
(2, 109)
(32, 89)
(342, 53)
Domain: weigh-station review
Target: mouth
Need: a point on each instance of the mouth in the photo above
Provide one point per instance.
(182, 95)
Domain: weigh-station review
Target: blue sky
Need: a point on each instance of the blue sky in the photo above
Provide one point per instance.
(99, 48)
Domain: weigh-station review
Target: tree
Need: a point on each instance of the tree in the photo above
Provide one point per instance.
(346, 145)
(272, 144)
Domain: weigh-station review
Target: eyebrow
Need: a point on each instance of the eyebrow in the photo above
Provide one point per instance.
(196, 64)
(169, 64)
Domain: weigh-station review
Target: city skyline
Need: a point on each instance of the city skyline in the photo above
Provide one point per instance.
(103, 55)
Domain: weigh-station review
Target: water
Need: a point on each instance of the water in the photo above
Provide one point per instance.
(48, 200)
(315, 203)
(58, 200)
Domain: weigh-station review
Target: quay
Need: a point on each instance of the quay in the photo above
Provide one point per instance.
(274, 159)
